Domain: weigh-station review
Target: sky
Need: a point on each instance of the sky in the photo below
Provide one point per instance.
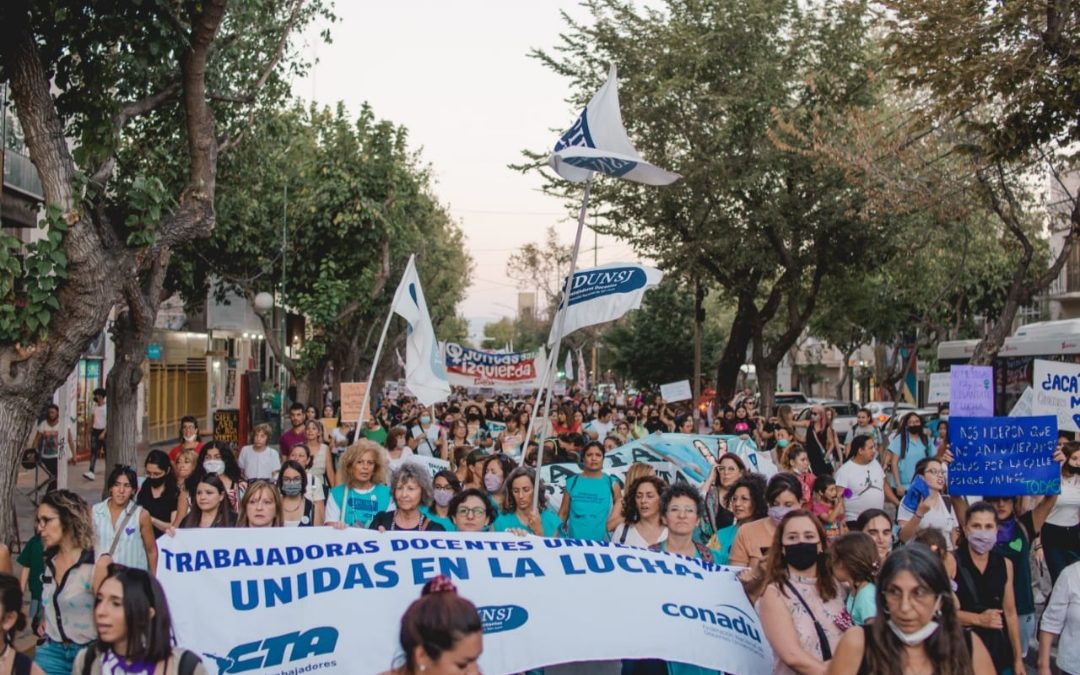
(457, 75)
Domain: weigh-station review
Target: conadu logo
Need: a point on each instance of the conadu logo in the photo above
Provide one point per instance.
(501, 618)
(725, 616)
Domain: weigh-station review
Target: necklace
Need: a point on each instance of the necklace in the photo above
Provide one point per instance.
(294, 509)
(804, 580)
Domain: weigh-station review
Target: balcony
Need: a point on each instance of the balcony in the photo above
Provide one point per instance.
(20, 175)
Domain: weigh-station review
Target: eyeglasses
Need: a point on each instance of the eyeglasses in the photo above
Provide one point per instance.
(921, 596)
(934, 472)
(686, 510)
(465, 512)
(44, 520)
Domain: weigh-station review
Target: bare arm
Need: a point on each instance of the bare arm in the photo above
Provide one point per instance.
(1041, 511)
(616, 515)
(780, 630)
(1012, 622)
(564, 508)
(849, 652)
(146, 529)
(330, 473)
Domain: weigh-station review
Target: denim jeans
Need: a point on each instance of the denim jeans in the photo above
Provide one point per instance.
(56, 658)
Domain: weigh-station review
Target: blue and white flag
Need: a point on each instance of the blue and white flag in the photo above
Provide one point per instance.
(425, 374)
(598, 142)
(604, 294)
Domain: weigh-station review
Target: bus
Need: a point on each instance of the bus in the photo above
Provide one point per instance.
(1015, 362)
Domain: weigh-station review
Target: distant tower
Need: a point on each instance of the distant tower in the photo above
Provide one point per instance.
(526, 305)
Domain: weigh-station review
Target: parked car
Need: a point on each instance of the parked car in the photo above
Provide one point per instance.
(844, 417)
(796, 399)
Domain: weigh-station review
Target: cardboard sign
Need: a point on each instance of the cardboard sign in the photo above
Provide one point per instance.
(352, 398)
(939, 388)
(676, 391)
(227, 426)
(1003, 456)
(971, 391)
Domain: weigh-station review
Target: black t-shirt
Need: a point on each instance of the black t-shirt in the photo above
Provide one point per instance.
(385, 520)
(815, 451)
(160, 508)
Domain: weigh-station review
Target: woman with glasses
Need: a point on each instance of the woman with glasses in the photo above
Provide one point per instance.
(123, 527)
(471, 511)
(933, 510)
(69, 581)
(159, 494)
(681, 506)
(642, 525)
(715, 489)
(917, 631)
(297, 510)
(518, 513)
(134, 630)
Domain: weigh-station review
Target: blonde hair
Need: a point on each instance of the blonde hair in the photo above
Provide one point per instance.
(355, 452)
(74, 514)
(255, 488)
(638, 470)
(263, 428)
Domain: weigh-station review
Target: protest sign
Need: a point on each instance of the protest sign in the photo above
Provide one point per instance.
(971, 391)
(433, 464)
(1057, 392)
(499, 371)
(1022, 408)
(676, 391)
(1003, 456)
(554, 477)
(690, 453)
(939, 388)
(295, 600)
(352, 398)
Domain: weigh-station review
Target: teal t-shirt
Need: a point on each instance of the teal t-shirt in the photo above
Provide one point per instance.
(447, 524)
(357, 509)
(721, 544)
(862, 606)
(687, 669)
(590, 505)
(548, 521)
(916, 450)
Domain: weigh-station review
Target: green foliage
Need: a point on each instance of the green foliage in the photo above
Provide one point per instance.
(654, 345)
(524, 334)
(30, 277)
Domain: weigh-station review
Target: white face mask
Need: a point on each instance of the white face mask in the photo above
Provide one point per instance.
(214, 466)
(919, 636)
(191, 438)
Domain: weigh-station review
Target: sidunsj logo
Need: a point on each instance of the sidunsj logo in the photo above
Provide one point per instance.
(501, 618)
(725, 616)
(609, 281)
(274, 651)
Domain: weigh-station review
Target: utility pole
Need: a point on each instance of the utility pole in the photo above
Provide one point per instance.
(595, 258)
(699, 318)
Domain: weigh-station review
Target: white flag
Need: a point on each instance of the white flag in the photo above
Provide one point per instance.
(568, 367)
(425, 373)
(582, 375)
(598, 142)
(604, 294)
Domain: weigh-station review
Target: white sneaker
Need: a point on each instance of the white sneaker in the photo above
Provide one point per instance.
(89, 475)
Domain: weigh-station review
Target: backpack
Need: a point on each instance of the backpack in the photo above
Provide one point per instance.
(188, 660)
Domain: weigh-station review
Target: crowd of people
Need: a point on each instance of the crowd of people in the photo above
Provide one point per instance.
(855, 555)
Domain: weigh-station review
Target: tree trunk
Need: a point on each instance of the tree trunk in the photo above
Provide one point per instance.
(17, 416)
(734, 356)
(699, 319)
(845, 375)
(766, 379)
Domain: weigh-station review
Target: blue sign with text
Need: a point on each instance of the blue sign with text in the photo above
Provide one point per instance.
(1003, 456)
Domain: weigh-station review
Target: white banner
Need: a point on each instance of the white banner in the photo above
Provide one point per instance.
(603, 294)
(939, 388)
(1022, 408)
(299, 600)
(498, 371)
(1057, 392)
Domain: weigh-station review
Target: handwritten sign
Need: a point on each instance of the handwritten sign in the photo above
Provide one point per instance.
(1057, 392)
(676, 391)
(971, 391)
(352, 398)
(227, 426)
(1004, 456)
(939, 388)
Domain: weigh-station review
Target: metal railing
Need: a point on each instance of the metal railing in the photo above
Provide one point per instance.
(20, 174)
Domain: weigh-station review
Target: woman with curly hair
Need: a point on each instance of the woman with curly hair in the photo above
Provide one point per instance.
(642, 525)
(682, 506)
(411, 486)
(70, 579)
(363, 491)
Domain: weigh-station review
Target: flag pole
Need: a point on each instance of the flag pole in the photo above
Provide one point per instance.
(560, 322)
(371, 375)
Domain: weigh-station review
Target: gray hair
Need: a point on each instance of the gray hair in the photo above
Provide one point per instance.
(419, 474)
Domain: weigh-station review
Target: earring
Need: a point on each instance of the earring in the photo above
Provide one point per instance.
(422, 667)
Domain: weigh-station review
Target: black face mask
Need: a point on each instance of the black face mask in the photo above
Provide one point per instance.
(915, 431)
(801, 556)
(1073, 470)
(156, 482)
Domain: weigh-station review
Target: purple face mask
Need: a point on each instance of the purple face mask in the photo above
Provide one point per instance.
(777, 513)
(981, 541)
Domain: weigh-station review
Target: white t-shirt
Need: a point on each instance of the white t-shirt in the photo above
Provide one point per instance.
(601, 428)
(867, 485)
(1066, 511)
(940, 517)
(633, 538)
(98, 421)
(429, 446)
(258, 464)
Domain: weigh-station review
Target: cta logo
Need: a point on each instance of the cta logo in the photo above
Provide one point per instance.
(725, 616)
(274, 651)
(501, 618)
